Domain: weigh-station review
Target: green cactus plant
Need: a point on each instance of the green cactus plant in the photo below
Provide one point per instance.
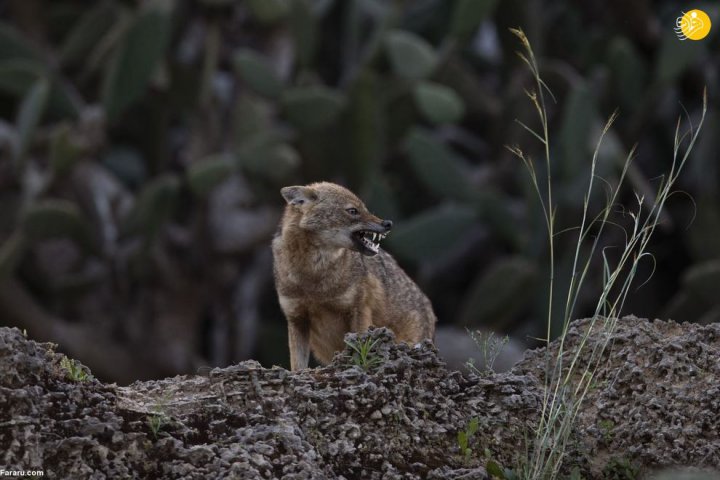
(53, 218)
(155, 205)
(411, 56)
(205, 175)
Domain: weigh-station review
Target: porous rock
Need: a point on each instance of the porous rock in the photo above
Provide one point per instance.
(654, 402)
(397, 418)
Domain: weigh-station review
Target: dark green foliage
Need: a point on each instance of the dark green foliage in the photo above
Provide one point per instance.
(257, 74)
(411, 56)
(11, 252)
(429, 234)
(468, 14)
(268, 156)
(438, 103)
(155, 205)
(269, 11)
(629, 72)
(442, 171)
(499, 293)
(206, 174)
(621, 469)
(495, 470)
(148, 142)
(312, 107)
(139, 54)
(55, 218)
(14, 46)
(88, 31)
(31, 111)
(575, 148)
(64, 152)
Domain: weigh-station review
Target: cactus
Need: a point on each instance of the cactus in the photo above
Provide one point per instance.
(438, 168)
(64, 152)
(257, 74)
(205, 175)
(438, 103)
(499, 293)
(411, 56)
(155, 205)
(11, 253)
(431, 233)
(468, 14)
(703, 279)
(312, 107)
(31, 112)
(138, 55)
(269, 11)
(53, 218)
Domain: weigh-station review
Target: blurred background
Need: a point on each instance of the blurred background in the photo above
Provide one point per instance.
(143, 145)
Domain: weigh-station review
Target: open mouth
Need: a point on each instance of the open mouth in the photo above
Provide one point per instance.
(368, 242)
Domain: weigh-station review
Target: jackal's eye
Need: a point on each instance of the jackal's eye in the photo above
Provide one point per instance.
(352, 211)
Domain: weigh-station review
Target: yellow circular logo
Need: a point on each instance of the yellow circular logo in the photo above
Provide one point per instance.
(693, 25)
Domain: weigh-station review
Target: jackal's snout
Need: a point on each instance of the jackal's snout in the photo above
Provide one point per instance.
(378, 225)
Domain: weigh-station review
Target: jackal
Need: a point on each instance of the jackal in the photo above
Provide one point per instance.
(332, 277)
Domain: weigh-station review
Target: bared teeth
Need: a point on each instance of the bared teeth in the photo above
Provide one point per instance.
(370, 244)
(371, 240)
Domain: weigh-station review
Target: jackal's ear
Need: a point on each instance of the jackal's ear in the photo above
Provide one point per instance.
(297, 195)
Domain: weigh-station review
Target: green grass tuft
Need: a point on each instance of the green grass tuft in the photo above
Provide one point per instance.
(566, 382)
(74, 370)
(364, 355)
(464, 438)
(156, 421)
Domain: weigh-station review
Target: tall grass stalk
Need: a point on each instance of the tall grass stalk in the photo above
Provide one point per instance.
(567, 381)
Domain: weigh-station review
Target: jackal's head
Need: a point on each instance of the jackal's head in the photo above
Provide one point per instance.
(334, 217)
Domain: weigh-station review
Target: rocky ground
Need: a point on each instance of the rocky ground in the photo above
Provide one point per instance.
(655, 404)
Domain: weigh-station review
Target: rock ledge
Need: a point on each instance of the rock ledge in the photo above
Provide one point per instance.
(656, 405)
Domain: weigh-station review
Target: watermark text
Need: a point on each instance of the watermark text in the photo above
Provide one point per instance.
(21, 473)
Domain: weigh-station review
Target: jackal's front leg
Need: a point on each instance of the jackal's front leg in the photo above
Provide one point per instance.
(299, 342)
(298, 332)
(362, 320)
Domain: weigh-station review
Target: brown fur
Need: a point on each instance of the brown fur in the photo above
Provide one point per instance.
(327, 287)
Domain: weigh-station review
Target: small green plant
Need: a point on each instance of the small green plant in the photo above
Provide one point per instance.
(364, 355)
(158, 418)
(74, 370)
(490, 347)
(598, 384)
(606, 428)
(621, 469)
(156, 421)
(575, 474)
(465, 436)
(495, 470)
